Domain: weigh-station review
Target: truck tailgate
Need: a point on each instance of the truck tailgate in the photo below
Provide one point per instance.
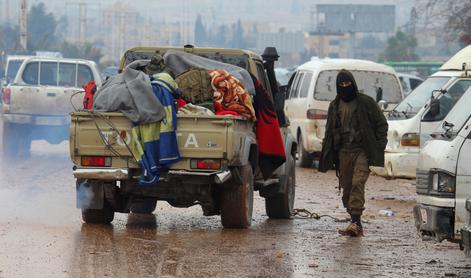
(198, 137)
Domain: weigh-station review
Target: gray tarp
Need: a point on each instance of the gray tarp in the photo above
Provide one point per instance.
(131, 93)
(179, 61)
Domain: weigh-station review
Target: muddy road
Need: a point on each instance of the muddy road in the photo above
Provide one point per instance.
(42, 235)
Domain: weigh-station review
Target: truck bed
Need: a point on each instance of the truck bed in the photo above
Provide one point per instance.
(199, 137)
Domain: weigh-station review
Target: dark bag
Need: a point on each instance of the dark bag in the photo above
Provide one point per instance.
(195, 85)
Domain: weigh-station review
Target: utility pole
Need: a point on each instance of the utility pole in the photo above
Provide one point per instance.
(24, 25)
(83, 8)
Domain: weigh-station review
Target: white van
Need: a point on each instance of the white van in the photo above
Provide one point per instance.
(444, 175)
(36, 105)
(404, 135)
(409, 82)
(313, 87)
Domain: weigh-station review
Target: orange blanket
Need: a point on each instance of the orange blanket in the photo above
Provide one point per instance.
(231, 94)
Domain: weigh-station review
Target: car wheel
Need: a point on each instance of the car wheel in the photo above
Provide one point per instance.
(281, 205)
(145, 206)
(237, 200)
(305, 158)
(99, 216)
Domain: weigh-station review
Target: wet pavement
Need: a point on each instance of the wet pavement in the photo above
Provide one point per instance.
(42, 235)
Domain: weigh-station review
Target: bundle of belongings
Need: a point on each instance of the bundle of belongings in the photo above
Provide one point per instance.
(151, 93)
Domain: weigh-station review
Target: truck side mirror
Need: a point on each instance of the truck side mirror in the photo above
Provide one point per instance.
(379, 94)
(383, 105)
(434, 107)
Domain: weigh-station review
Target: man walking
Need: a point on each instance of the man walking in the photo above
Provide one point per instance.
(355, 138)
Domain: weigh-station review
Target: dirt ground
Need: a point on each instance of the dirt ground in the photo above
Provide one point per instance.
(42, 235)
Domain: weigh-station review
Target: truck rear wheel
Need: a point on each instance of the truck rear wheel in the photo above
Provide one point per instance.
(99, 216)
(237, 201)
(305, 158)
(281, 205)
(145, 206)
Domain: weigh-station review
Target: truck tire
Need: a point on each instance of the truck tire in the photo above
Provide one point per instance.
(280, 205)
(145, 206)
(305, 158)
(99, 216)
(16, 140)
(237, 201)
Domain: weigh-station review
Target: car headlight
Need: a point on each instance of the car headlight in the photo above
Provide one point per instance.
(410, 140)
(443, 182)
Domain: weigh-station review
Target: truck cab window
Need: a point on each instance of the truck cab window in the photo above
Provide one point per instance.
(48, 74)
(67, 74)
(31, 73)
(84, 75)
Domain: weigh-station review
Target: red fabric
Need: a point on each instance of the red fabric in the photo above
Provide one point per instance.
(180, 103)
(90, 89)
(270, 142)
(222, 113)
(219, 110)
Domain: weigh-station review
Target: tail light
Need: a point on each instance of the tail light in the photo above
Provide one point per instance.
(316, 114)
(6, 95)
(205, 164)
(97, 161)
(410, 140)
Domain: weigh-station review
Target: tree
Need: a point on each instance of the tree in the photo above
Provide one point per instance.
(201, 38)
(87, 51)
(400, 47)
(452, 18)
(41, 28)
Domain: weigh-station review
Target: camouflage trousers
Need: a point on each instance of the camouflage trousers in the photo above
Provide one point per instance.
(353, 174)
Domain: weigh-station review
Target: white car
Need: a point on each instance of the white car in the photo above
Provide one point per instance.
(313, 87)
(36, 105)
(409, 82)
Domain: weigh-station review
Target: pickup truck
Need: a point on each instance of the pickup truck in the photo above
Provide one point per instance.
(218, 169)
(36, 105)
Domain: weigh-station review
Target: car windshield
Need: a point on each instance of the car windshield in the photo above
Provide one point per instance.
(417, 98)
(13, 67)
(368, 82)
(458, 116)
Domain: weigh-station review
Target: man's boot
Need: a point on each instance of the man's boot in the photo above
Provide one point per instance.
(354, 229)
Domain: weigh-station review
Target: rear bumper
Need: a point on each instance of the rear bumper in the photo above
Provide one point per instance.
(434, 222)
(123, 174)
(36, 120)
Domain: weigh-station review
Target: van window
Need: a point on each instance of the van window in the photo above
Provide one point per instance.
(67, 74)
(449, 99)
(297, 84)
(414, 83)
(293, 85)
(304, 90)
(48, 74)
(31, 73)
(84, 75)
(368, 83)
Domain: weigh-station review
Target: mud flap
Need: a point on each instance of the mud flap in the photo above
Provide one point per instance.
(89, 195)
(274, 188)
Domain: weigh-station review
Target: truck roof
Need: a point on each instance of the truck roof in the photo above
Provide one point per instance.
(190, 49)
(348, 64)
(50, 59)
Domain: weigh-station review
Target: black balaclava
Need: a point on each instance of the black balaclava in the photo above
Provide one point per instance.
(350, 92)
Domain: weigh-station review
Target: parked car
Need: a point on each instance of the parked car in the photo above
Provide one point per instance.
(409, 82)
(405, 136)
(38, 102)
(444, 174)
(313, 87)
